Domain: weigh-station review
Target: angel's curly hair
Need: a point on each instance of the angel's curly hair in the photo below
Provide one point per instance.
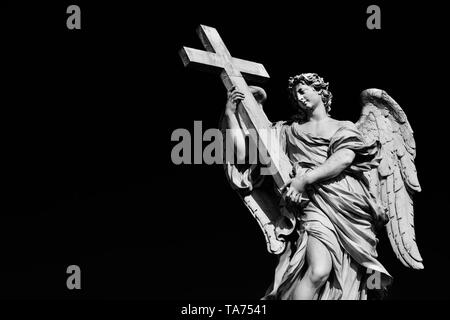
(312, 80)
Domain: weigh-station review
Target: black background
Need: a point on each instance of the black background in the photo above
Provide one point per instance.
(88, 116)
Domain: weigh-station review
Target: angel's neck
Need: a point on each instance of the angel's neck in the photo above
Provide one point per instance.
(317, 115)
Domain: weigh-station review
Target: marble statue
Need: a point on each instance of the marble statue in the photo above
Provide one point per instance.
(349, 181)
(333, 185)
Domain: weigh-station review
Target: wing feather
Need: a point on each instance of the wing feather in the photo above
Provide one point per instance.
(395, 180)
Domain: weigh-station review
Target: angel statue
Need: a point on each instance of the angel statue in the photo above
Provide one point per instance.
(349, 181)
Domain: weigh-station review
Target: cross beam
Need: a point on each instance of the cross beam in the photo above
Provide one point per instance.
(232, 71)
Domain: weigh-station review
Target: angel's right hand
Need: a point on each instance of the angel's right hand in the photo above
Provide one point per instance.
(234, 97)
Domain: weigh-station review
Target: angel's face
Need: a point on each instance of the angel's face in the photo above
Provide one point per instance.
(307, 97)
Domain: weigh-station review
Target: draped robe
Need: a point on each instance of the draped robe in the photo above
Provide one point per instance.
(342, 213)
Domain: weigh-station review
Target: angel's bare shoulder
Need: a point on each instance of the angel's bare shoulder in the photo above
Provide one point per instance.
(346, 124)
(335, 124)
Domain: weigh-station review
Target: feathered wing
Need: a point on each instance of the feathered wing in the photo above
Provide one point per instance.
(395, 180)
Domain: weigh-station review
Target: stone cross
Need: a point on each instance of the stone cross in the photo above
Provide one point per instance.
(232, 71)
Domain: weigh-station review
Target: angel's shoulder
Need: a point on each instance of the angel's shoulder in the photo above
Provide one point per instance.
(344, 127)
(342, 124)
(346, 124)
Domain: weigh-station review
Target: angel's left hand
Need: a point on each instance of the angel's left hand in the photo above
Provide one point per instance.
(295, 187)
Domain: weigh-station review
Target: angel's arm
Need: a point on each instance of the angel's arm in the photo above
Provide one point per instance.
(235, 129)
(236, 133)
(332, 167)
